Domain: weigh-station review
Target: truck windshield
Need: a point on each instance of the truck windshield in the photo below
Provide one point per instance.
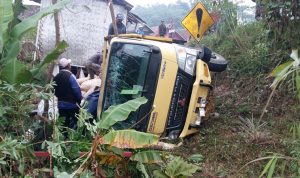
(126, 72)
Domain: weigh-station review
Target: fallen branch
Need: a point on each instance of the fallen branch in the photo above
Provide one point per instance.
(165, 146)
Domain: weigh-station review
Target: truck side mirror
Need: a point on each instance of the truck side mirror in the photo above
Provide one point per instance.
(155, 50)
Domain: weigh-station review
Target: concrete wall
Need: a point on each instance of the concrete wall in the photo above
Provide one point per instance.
(83, 24)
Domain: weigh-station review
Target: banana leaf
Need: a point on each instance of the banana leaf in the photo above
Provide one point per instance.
(281, 69)
(12, 71)
(129, 139)
(6, 16)
(280, 73)
(148, 157)
(60, 48)
(15, 71)
(119, 113)
(12, 46)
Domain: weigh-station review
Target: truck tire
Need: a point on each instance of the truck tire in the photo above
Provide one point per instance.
(217, 63)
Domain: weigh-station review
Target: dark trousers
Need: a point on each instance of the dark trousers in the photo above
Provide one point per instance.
(70, 119)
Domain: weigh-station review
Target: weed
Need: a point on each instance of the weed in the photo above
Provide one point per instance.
(254, 131)
(16, 103)
(295, 130)
(176, 168)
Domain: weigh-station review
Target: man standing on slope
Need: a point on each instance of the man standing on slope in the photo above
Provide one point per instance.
(68, 93)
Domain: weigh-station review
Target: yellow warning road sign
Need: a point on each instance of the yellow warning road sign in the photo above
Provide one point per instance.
(198, 21)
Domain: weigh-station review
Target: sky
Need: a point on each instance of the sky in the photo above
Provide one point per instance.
(151, 2)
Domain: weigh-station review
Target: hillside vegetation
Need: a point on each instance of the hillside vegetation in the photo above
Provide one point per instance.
(256, 133)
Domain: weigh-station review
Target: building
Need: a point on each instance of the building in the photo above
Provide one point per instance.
(83, 25)
(179, 35)
(134, 22)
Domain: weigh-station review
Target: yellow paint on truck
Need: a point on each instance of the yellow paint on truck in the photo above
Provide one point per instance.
(165, 84)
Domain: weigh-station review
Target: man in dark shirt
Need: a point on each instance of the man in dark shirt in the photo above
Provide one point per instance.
(120, 26)
(93, 65)
(68, 94)
(162, 29)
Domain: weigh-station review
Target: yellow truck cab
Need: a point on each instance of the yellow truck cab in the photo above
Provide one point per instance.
(174, 78)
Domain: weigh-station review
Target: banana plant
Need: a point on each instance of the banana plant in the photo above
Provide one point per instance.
(281, 73)
(118, 147)
(11, 32)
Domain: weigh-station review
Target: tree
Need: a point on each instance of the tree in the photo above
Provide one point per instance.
(172, 13)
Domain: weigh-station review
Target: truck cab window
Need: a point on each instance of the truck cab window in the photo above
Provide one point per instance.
(127, 68)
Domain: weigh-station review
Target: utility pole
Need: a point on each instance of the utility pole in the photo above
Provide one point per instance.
(57, 40)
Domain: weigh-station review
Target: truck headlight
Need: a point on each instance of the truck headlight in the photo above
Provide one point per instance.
(186, 59)
(181, 56)
(190, 64)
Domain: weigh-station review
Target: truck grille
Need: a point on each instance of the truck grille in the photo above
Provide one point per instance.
(180, 101)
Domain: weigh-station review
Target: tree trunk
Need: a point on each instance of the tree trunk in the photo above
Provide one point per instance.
(56, 23)
(57, 40)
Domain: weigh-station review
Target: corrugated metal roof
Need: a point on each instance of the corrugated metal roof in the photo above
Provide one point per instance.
(133, 18)
(123, 3)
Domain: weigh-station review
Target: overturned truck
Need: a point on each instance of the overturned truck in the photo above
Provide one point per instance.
(175, 79)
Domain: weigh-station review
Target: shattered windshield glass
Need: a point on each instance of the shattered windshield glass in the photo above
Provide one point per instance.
(126, 73)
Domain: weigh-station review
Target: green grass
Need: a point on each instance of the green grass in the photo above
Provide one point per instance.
(225, 146)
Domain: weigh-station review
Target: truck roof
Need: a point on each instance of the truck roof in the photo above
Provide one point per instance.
(166, 45)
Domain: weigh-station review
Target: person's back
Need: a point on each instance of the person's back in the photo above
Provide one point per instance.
(93, 65)
(68, 94)
(63, 88)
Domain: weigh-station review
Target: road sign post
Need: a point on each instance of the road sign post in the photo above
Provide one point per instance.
(198, 21)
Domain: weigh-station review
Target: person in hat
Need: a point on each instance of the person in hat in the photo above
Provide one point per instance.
(120, 26)
(68, 94)
(140, 30)
(162, 29)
